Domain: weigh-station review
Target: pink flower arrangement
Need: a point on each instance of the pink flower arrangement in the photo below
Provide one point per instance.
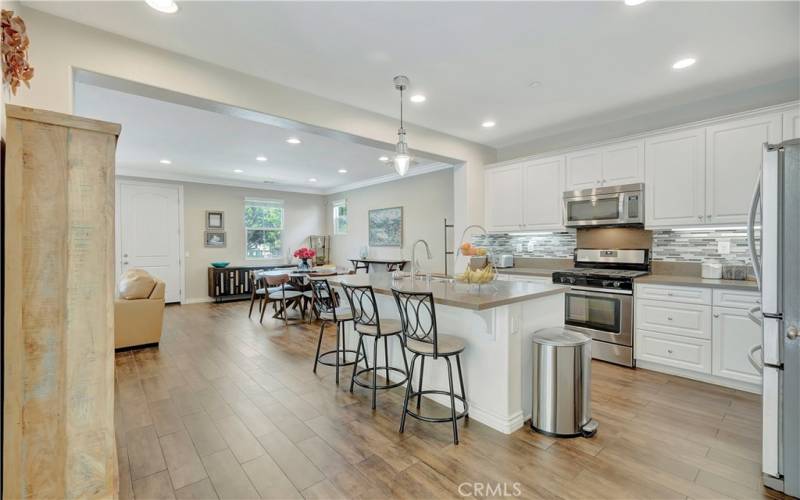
(304, 253)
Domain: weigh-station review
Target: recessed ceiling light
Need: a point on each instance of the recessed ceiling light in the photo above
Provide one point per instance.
(293, 140)
(164, 161)
(238, 170)
(417, 98)
(384, 159)
(261, 158)
(684, 63)
(632, 3)
(313, 179)
(165, 6)
(488, 124)
(342, 170)
(534, 84)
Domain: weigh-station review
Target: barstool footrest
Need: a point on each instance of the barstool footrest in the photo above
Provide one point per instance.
(424, 418)
(322, 361)
(368, 385)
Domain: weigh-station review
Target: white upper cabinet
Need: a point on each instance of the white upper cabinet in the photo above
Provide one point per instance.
(675, 179)
(584, 170)
(791, 124)
(733, 161)
(623, 163)
(542, 193)
(615, 164)
(503, 198)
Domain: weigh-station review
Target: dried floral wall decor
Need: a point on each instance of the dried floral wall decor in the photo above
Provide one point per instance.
(16, 67)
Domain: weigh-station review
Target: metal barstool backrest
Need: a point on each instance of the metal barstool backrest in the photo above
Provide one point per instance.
(363, 304)
(324, 298)
(417, 317)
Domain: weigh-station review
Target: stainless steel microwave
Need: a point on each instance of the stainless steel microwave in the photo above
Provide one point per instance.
(605, 206)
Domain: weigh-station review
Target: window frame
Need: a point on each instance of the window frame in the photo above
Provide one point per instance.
(273, 203)
(336, 204)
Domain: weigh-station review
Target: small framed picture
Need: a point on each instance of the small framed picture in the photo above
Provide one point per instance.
(215, 220)
(215, 239)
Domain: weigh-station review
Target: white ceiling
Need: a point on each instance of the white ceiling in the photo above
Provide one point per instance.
(208, 147)
(475, 60)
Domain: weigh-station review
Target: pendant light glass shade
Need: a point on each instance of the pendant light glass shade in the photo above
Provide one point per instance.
(402, 160)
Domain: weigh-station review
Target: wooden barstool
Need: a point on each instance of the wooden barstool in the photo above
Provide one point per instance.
(326, 305)
(367, 322)
(418, 319)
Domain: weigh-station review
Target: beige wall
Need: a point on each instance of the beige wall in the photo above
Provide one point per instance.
(426, 201)
(304, 215)
(59, 45)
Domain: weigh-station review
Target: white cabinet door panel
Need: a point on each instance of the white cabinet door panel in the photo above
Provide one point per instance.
(689, 320)
(543, 193)
(675, 179)
(672, 350)
(584, 170)
(503, 198)
(734, 335)
(623, 163)
(688, 294)
(733, 160)
(736, 298)
(791, 124)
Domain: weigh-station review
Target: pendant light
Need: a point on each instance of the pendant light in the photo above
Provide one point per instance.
(402, 160)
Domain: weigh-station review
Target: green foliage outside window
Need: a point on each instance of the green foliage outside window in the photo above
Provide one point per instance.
(263, 222)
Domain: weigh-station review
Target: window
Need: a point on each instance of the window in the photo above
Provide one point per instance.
(263, 226)
(340, 217)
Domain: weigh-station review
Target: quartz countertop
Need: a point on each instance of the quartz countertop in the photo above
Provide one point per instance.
(527, 271)
(671, 279)
(494, 294)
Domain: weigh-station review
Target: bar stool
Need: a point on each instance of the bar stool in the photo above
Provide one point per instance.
(418, 318)
(326, 305)
(367, 322)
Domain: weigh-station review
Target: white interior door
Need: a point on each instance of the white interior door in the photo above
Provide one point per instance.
(150, 232)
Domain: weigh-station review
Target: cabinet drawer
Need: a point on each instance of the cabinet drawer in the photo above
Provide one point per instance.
(690, 320)
(736, 298)
(687, 294)
(672, 350)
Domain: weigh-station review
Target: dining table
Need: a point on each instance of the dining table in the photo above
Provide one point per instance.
(297, 280)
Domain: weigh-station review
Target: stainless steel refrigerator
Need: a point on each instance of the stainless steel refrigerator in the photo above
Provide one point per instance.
(777, 266)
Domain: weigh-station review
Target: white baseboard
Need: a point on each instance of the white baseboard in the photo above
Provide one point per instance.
(702, 377)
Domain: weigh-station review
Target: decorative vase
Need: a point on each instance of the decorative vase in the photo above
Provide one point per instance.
(304, 265)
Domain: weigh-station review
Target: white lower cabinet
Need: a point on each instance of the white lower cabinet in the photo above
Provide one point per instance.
(697, 332)
(674, 350)
(733, 336)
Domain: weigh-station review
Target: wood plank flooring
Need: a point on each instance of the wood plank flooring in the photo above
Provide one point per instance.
(228, 408)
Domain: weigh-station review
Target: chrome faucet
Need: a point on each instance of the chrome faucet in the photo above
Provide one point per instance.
(414, 256)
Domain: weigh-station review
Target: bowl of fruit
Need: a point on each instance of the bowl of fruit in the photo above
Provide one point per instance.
(477, 276)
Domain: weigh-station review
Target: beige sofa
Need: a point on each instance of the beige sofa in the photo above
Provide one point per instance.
(138, 310)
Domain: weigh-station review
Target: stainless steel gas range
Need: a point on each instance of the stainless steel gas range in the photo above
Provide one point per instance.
(600, 301)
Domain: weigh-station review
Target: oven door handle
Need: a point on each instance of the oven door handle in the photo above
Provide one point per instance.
(596, 293)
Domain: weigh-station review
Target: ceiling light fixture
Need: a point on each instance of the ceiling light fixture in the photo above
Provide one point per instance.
(164, 161)
(417, 98)
(488, 124)
(384, 159)
(402, 159)
(633, 3)
(261, 158)
(238, 171)
(313, 179)
(165, 6)
(684, 63)
(293, 140)
(342, 170)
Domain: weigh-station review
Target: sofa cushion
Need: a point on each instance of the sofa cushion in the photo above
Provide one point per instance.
(136, 284)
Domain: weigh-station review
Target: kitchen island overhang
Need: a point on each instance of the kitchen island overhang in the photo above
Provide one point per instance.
(497, 322)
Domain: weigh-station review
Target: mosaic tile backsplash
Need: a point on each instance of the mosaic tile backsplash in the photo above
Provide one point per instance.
(668, 245)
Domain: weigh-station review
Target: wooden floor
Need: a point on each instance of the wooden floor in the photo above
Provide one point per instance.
(231, 409)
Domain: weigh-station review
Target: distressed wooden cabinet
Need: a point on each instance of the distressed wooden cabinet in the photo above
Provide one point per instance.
(58, 404)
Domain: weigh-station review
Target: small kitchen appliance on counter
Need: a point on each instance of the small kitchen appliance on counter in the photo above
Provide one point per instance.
(600, 300)
(504, 261)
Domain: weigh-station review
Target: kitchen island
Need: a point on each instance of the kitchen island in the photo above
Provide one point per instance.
(496, 320)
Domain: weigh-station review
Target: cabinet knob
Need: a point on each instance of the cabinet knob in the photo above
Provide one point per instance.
(669, 351)
(125, 263)
(793, 332)
(700, 217)
(669, 318)
(716, 315)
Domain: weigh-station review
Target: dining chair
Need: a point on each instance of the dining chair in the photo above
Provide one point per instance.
(257, 290)
(282, 295)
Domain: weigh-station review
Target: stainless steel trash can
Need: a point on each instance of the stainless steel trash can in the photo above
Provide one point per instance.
(562, 375)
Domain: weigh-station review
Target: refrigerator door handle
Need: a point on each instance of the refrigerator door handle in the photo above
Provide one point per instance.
(751, 357)
(751, 229)
(755, 315)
